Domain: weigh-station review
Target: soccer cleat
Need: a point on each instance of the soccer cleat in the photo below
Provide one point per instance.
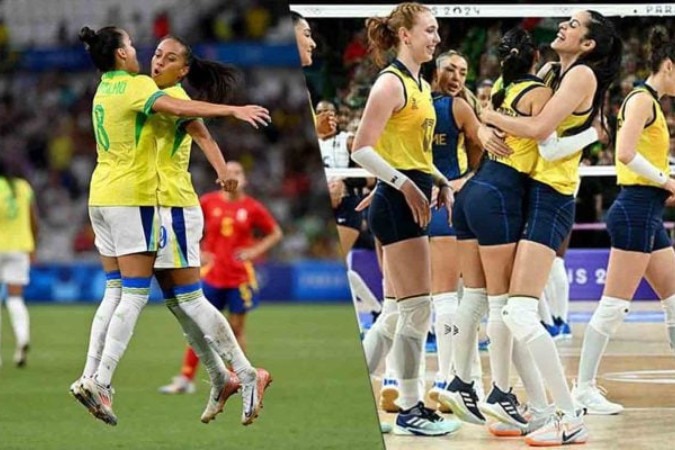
(252, 392)
(436, 389)
(388, 395)
(79, 395)
(179, 385)
(219, 395)
(422, 421)
(592, 399)
(535, 420)
(462, 399)
(502, 406)
(20, 355)
(100, 399)
(560, 429)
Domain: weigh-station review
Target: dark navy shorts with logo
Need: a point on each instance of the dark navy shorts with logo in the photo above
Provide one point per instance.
(550, 215)
(635, 219)
(346, 215)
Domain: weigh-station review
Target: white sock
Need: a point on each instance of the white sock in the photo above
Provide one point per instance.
(445, 307)
(529, 374)
(135, 292)
(501, 342)
(476, 369)
(471, 310)
(562, 289)
(521, 316)
(99, 326)
(214, 327)
(18, 316)
(193, 334)
(668, 306)
(544, 310)
(606, 319)
(550, 295)
(379, 338)
(408, 346)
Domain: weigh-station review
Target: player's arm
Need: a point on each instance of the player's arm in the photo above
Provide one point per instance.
(200, 134)
(273, 235)
(578, 86)
(253, 114)
(34, 222)
(479, 135)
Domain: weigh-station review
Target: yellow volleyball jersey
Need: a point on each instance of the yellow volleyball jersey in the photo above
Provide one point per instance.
(125, 173)
(173, 156)
(525, 150)
(16, 234)
(408, 135)
(563, 174)
(653, 144)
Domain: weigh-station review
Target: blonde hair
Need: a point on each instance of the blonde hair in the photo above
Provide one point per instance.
(383, 31)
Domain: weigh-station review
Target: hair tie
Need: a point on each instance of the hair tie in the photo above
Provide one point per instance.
(514, 51)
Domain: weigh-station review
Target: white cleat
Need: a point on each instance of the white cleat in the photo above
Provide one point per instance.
(179, 385)
(100, 399)
(219, 395)
(592, 399)
(252, 392)
(560, 429)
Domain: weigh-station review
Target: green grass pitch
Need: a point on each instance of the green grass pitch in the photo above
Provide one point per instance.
(320, 397)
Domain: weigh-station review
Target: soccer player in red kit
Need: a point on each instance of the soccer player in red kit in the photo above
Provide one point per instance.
(229, 247)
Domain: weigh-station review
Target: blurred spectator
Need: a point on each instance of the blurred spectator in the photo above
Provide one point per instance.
(161, 26)
(484, 92)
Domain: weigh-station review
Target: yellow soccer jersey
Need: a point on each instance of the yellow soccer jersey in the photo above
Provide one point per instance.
(563, 174)
(408, 136)
(525, 151)
(16, 234)
(173, 156)
(125, 173)
(653, 144)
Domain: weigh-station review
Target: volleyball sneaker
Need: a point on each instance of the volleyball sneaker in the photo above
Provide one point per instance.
(502, 406)
(535, 419)
(252, 393)
(461, 397)
(439, 385)
(179, 385)
(564, 330)
(389, 395)
(422, 421)
(592, 399)
(219, 395)
(100, 399)
(559, 429)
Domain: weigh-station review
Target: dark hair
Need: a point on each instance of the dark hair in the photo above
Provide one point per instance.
(8, 175)
(604, 60)
(661, 47)
(296, 17)
(516, 53)
(101, 46)
(383, 31)
(212, 81)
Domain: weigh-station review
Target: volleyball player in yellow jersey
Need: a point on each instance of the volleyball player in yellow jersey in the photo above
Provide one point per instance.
(177, 266)
(122, 200)
(590, 56)
(640, 243)
(18, 238)
(393, 143)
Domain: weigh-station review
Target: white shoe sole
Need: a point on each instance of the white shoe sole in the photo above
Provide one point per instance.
(497, 413)
(454, 401)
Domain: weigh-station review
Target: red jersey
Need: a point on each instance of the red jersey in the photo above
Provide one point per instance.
(229, 227)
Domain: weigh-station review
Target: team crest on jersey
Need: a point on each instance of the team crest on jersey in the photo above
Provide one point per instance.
(242, 215)
(414, 103)
(217, 212)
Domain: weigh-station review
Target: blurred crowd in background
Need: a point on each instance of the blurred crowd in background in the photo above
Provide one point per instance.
(46, 133)
(343, 74)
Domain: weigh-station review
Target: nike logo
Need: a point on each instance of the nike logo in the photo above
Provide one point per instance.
(250, 404)
(567, 437)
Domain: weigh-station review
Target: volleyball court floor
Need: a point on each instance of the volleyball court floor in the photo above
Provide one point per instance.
(638, 371)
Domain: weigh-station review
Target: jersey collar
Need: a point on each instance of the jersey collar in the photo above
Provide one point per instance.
(113, 74)
(402, 67)
(651, 90)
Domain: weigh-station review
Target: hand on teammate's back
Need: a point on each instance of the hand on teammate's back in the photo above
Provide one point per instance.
(493, 141)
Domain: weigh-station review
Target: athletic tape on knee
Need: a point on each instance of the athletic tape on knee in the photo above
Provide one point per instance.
(521, 316)
(414, 317)
(609, 315)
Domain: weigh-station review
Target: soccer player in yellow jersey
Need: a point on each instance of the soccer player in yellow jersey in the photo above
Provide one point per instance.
(122, 200)
(393, 143)
(640, 243)
(590, 56)
(177, 266)
(18, 237)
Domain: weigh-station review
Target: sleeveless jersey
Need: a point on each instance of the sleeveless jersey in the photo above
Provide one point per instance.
(334, 151)
(449, 158)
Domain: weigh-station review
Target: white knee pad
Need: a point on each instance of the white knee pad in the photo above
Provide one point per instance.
(414, 317)
(522, 318)
(609, 315)
(386, 321)
(496, 304)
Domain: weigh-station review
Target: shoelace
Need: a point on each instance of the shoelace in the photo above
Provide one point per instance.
(431, 415)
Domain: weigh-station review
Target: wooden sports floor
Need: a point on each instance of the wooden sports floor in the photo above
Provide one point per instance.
(638, 371)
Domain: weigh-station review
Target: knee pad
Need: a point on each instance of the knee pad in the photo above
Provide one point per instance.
(523, 321)
(609, 315)
(386, 321)
(414, 317)
(496, 304)
(445, 303)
